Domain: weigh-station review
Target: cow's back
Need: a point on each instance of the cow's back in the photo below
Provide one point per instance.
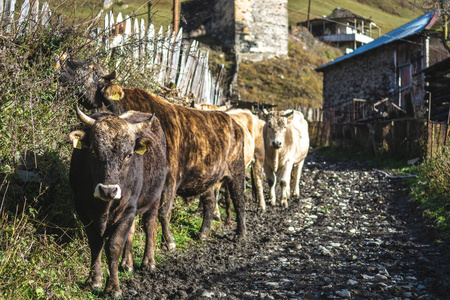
(297, 138)
(246, 120)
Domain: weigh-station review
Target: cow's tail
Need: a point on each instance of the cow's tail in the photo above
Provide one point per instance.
(254, 194)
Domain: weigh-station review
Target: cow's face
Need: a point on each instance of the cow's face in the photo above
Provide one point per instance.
(276, 125)
(113, 148)
(86, 79)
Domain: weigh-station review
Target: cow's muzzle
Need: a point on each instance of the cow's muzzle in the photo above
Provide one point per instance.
(108, 192)
(276, 144)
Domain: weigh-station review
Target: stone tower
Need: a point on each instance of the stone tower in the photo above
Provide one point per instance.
(255, 29)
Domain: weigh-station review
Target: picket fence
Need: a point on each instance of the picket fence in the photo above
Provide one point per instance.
(173, 63)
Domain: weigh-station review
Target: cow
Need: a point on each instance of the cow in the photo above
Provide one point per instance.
(286, 142)
(204, 148)
(252, 128)
(253, 149)
(118, 169)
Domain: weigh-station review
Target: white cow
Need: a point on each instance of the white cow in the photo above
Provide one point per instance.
(286, 142)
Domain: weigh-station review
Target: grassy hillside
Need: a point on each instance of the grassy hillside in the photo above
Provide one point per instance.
(388, 14)
(288, 82)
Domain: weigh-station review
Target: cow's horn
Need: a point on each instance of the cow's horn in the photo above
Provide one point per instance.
(85, 118)
(288, 113)
(135, 128)
(265, 112)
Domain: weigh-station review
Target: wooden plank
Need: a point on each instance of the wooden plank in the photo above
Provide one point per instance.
(150, 47)
(23, 16)
(158, 54)
(182, 68)
(1, 11)
(9, 14)
(170, 49)
(174, 66)
(164, 57)
(191, 62)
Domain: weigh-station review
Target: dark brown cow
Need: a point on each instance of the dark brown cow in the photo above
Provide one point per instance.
(204, 148)
(118, 170)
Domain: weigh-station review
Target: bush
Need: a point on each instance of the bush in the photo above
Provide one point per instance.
(431, 191)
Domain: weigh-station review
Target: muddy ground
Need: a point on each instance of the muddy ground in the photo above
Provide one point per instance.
(353, 234)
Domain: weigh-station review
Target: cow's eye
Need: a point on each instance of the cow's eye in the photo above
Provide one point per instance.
(128, 156)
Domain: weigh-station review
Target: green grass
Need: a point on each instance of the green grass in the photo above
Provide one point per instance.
(431, 191)
(388, 14)
(288, 82)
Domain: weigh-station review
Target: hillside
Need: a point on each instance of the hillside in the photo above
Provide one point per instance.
(292, 81)
(388, 14)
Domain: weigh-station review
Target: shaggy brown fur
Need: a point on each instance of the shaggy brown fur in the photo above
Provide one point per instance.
(204, 148)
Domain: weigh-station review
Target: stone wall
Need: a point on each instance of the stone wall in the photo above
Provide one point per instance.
(255, 29)
(369, 76)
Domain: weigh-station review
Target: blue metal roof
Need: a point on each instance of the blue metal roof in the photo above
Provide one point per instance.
(413, 27)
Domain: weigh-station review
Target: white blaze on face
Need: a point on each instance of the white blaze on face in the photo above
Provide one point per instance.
(117, 194)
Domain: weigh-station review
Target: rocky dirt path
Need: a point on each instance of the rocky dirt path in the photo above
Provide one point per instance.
(351, 235)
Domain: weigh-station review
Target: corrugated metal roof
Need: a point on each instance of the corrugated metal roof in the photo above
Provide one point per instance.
(411, 28)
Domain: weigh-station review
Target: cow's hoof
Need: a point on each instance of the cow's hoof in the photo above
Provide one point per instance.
(240, 237)
(93, 284)
(113, 292)
(273, 202)
(169, 246)
(202, 236)
(127, 267)
(149, 268)
(284, 204)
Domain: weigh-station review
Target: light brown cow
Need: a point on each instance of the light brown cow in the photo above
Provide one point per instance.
(253, 149)
(286, 141)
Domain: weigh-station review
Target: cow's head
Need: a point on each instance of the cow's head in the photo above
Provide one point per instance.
(275, 128)
(87, 80)
(114, 146)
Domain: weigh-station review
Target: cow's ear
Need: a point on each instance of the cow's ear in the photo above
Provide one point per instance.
(110, 76)
(142, 144)
(113, 92)
(78, 139)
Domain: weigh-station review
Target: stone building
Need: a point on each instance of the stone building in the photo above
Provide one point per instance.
(388, 68)
(377, 96)
(254, 29)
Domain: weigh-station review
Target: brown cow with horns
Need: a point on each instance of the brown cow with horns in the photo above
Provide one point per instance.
(118, 170)
(204, 148)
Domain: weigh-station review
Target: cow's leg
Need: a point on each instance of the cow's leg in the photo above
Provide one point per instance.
(228, 206)
(127, 258)
(149, 221)
(113, 249)
(258, 182)
(216, 207)
(164, 213)
(272, 181)
(208, 201)
(236, 186)
(285, 180)
(297, 173)
(96, 243)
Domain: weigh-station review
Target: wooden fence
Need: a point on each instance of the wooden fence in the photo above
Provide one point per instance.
(438, 138)
(135, 47)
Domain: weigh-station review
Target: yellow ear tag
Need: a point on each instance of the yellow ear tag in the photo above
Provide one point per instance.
(142, 149)
(115, 97)
(76, 143)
